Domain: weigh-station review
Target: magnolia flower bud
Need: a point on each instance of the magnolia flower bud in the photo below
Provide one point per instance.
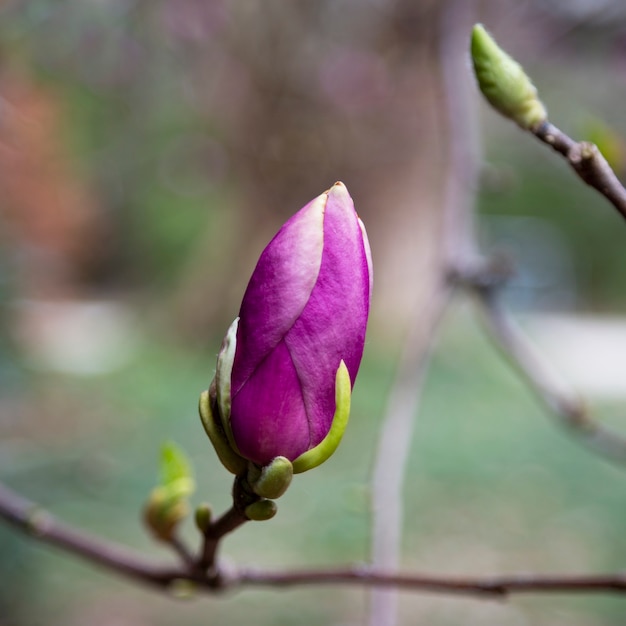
(288, 362)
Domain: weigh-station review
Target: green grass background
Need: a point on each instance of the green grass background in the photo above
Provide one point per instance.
(492, 487)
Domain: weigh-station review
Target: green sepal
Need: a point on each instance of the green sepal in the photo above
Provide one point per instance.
(503, 81)
(213, 427)
(322, 451)
(261, 510)
(271, 481)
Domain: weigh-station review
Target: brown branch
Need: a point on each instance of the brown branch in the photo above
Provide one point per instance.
(493, 586)
(551, 389)
(243, 496)
(33, 520)
(232, 519)
(588, 162)
(181, 549)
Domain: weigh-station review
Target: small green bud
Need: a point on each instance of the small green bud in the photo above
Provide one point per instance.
(261, 510)
(504, 83)
(203, 517)
(273, 479)
(167, 505)
(164, 512)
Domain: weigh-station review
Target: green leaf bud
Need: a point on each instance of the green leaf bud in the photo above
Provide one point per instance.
(203, 517)
(273, 479)
(504, 83)
(167, 505)
(261, 510)
(164, 512)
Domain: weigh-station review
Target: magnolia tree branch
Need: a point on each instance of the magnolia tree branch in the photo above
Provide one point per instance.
(506, 86)
(587, 161)
(213, 535)
(182, 550)
(552, 390)
(481, 587)
(41, 525)
(509, 90)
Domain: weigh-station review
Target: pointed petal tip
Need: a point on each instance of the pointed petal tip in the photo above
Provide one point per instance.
(338, 187)
(340, 196)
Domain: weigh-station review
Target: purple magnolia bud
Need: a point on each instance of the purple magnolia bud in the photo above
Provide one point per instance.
(304, 313)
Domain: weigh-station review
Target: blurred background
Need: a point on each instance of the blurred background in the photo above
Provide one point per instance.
(150, 149)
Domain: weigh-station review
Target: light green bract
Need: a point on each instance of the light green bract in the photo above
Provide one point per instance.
(223, 374)
(214, 429)
(316, 456)
(504, 83)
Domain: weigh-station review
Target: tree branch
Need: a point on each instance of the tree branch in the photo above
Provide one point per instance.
(33, 520)
(551, 389)
(481, 587)
(587, 161)
(232, 519)
(181, 549)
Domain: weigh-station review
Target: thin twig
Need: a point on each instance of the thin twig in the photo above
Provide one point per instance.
(41, 525)
(236, 516)
(182, 550)
(232, 519)
(588, 162)
(541, 377)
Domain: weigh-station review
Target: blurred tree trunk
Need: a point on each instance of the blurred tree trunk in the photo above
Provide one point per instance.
(307, 96)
